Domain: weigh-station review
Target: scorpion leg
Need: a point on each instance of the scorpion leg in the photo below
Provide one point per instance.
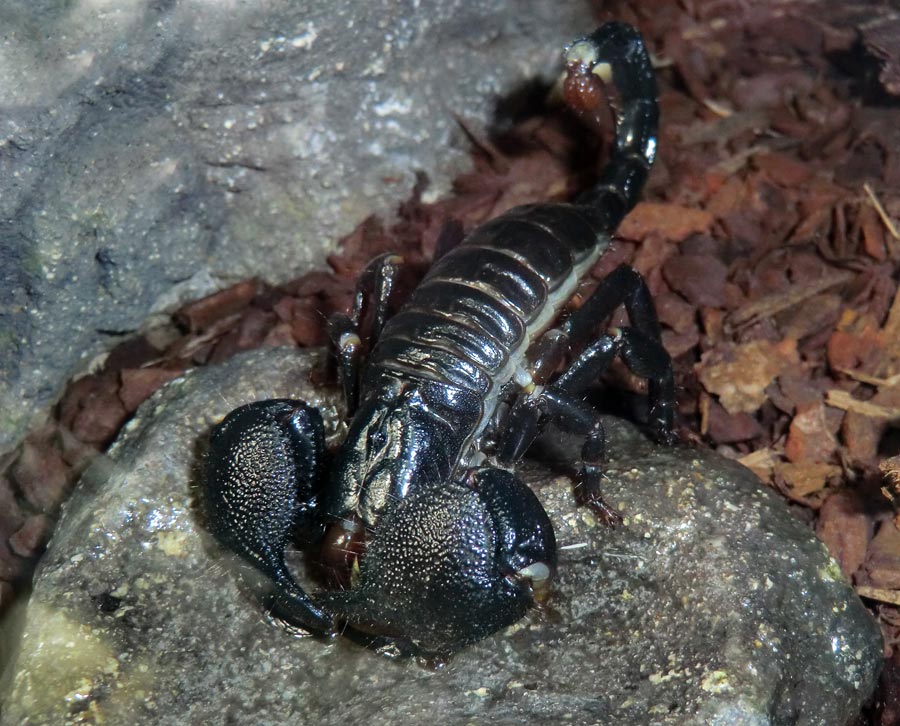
(374, 288)
(348, 332)
(263, 471)
(641, 346)
(645, 357)
(622, 285)
(561, 403)
(570, 414)
(643, 353)
(346, 347)
(575, 416)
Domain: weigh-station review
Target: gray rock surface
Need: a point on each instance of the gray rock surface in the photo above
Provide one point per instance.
(151, 150)
(712, 605)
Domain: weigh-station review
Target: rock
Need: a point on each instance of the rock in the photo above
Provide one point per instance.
(152, 151)
(711, 605)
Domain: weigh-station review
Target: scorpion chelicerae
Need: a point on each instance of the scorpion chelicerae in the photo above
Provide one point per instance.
(431, 540)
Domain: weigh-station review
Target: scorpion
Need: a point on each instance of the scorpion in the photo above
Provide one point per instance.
(430, 540)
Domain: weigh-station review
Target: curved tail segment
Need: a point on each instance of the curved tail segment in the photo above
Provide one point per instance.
(614, 56)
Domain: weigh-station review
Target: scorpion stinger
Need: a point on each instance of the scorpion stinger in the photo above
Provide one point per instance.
(427, 547)
(614, 56)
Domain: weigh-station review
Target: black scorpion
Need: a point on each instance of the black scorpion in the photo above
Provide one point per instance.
(431, 541)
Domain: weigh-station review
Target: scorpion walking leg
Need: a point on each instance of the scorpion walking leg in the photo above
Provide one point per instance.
(570, 414)
(561, 402)
(641, 346)
(374, 288)
(346, 347)
(575, 416)
(348, 332)
(525, 418)
(645, 357)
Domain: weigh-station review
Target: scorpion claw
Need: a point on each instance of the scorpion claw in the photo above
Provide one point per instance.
(263, 469)
(490, 553)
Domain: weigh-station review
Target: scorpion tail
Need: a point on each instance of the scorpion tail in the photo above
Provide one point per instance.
(263, 466)
(614, 57)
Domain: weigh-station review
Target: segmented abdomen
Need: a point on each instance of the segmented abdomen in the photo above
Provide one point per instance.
(473, 316)
(471, 320)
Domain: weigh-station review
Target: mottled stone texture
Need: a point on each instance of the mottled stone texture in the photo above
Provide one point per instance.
(711, 605)
(150, 150)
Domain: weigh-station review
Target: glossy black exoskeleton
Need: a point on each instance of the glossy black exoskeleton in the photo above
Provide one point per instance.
(431, 539)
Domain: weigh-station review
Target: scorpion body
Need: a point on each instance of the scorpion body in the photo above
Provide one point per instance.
(430, 539)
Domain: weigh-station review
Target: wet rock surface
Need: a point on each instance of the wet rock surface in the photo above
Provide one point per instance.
(149, 150)
(712, 605)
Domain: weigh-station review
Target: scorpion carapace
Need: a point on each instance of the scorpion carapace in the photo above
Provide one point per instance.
(430, 540)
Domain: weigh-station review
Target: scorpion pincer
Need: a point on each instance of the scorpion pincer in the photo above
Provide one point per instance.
(431, 540)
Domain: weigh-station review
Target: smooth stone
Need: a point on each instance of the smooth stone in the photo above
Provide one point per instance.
(711, 605)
